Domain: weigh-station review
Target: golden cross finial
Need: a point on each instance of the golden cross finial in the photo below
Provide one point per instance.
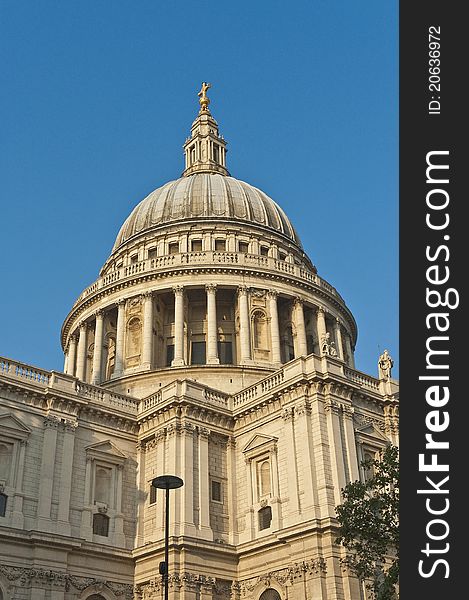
(204, 101)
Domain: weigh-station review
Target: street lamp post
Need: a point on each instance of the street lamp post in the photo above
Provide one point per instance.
(166, 482)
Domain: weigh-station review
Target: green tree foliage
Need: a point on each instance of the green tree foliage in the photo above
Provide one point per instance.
(369, 524)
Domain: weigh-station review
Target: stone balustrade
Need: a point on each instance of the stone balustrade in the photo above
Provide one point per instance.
(68, 385)
(207, 258)
(186, 389)
(12, 368)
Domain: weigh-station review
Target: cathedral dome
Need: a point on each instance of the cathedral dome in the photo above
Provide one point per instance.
(207, 196)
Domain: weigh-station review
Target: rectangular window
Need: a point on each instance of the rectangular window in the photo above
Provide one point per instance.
(225, 353)
(265, 518)
(101, 525)
(264, 251)
(198, 353)
(282, 256)
(216, 491)
(243, 247)
(152, 253)
(152, 494)
(173, 248)
(215, 153)
(133, 259)
(220, 245)
(196, 246)
(169, 354)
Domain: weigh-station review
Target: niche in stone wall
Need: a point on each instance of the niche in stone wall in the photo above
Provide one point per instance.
(133, 342)
(110, 349)
(260, 335)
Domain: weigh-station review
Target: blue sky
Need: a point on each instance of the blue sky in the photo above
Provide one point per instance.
(98, 97)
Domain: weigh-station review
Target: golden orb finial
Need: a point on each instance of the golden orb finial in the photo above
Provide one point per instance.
(204, 101)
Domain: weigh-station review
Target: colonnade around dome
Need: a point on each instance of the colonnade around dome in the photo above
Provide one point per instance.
(194, 325)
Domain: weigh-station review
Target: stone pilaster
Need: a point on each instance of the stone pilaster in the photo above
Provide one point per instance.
(63, 514)
(293, 498)
(204, 485)
(186, 440)
(17, 516)
(46, 481)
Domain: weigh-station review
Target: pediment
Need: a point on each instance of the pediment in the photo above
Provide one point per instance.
(370, 430)
(106, 449)
(13, 427)
(259, 442)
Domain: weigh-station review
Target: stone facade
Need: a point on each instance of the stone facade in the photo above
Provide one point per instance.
(211, 349)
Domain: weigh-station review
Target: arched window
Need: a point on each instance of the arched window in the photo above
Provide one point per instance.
(259, 328)
(96, 597)
(3, 504)
(270, 594)
(102, 485)
(369, 469)
(101, 524)
(6, 452)
(263, 478)
(265, 517)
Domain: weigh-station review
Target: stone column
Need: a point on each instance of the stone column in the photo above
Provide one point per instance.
(348, 345)
(46, 480)
(321, 323)
(147, 350)
(72, 355)
(244, 328)
(120, 337)
(300, 328)
(274, 327)
(178, 360)
(338, 339)
(63, 514)
(212, 332)
(204, 485)
(81, 352)
(98, 347)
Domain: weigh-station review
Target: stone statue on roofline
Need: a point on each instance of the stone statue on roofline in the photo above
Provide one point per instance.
(385, 364)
